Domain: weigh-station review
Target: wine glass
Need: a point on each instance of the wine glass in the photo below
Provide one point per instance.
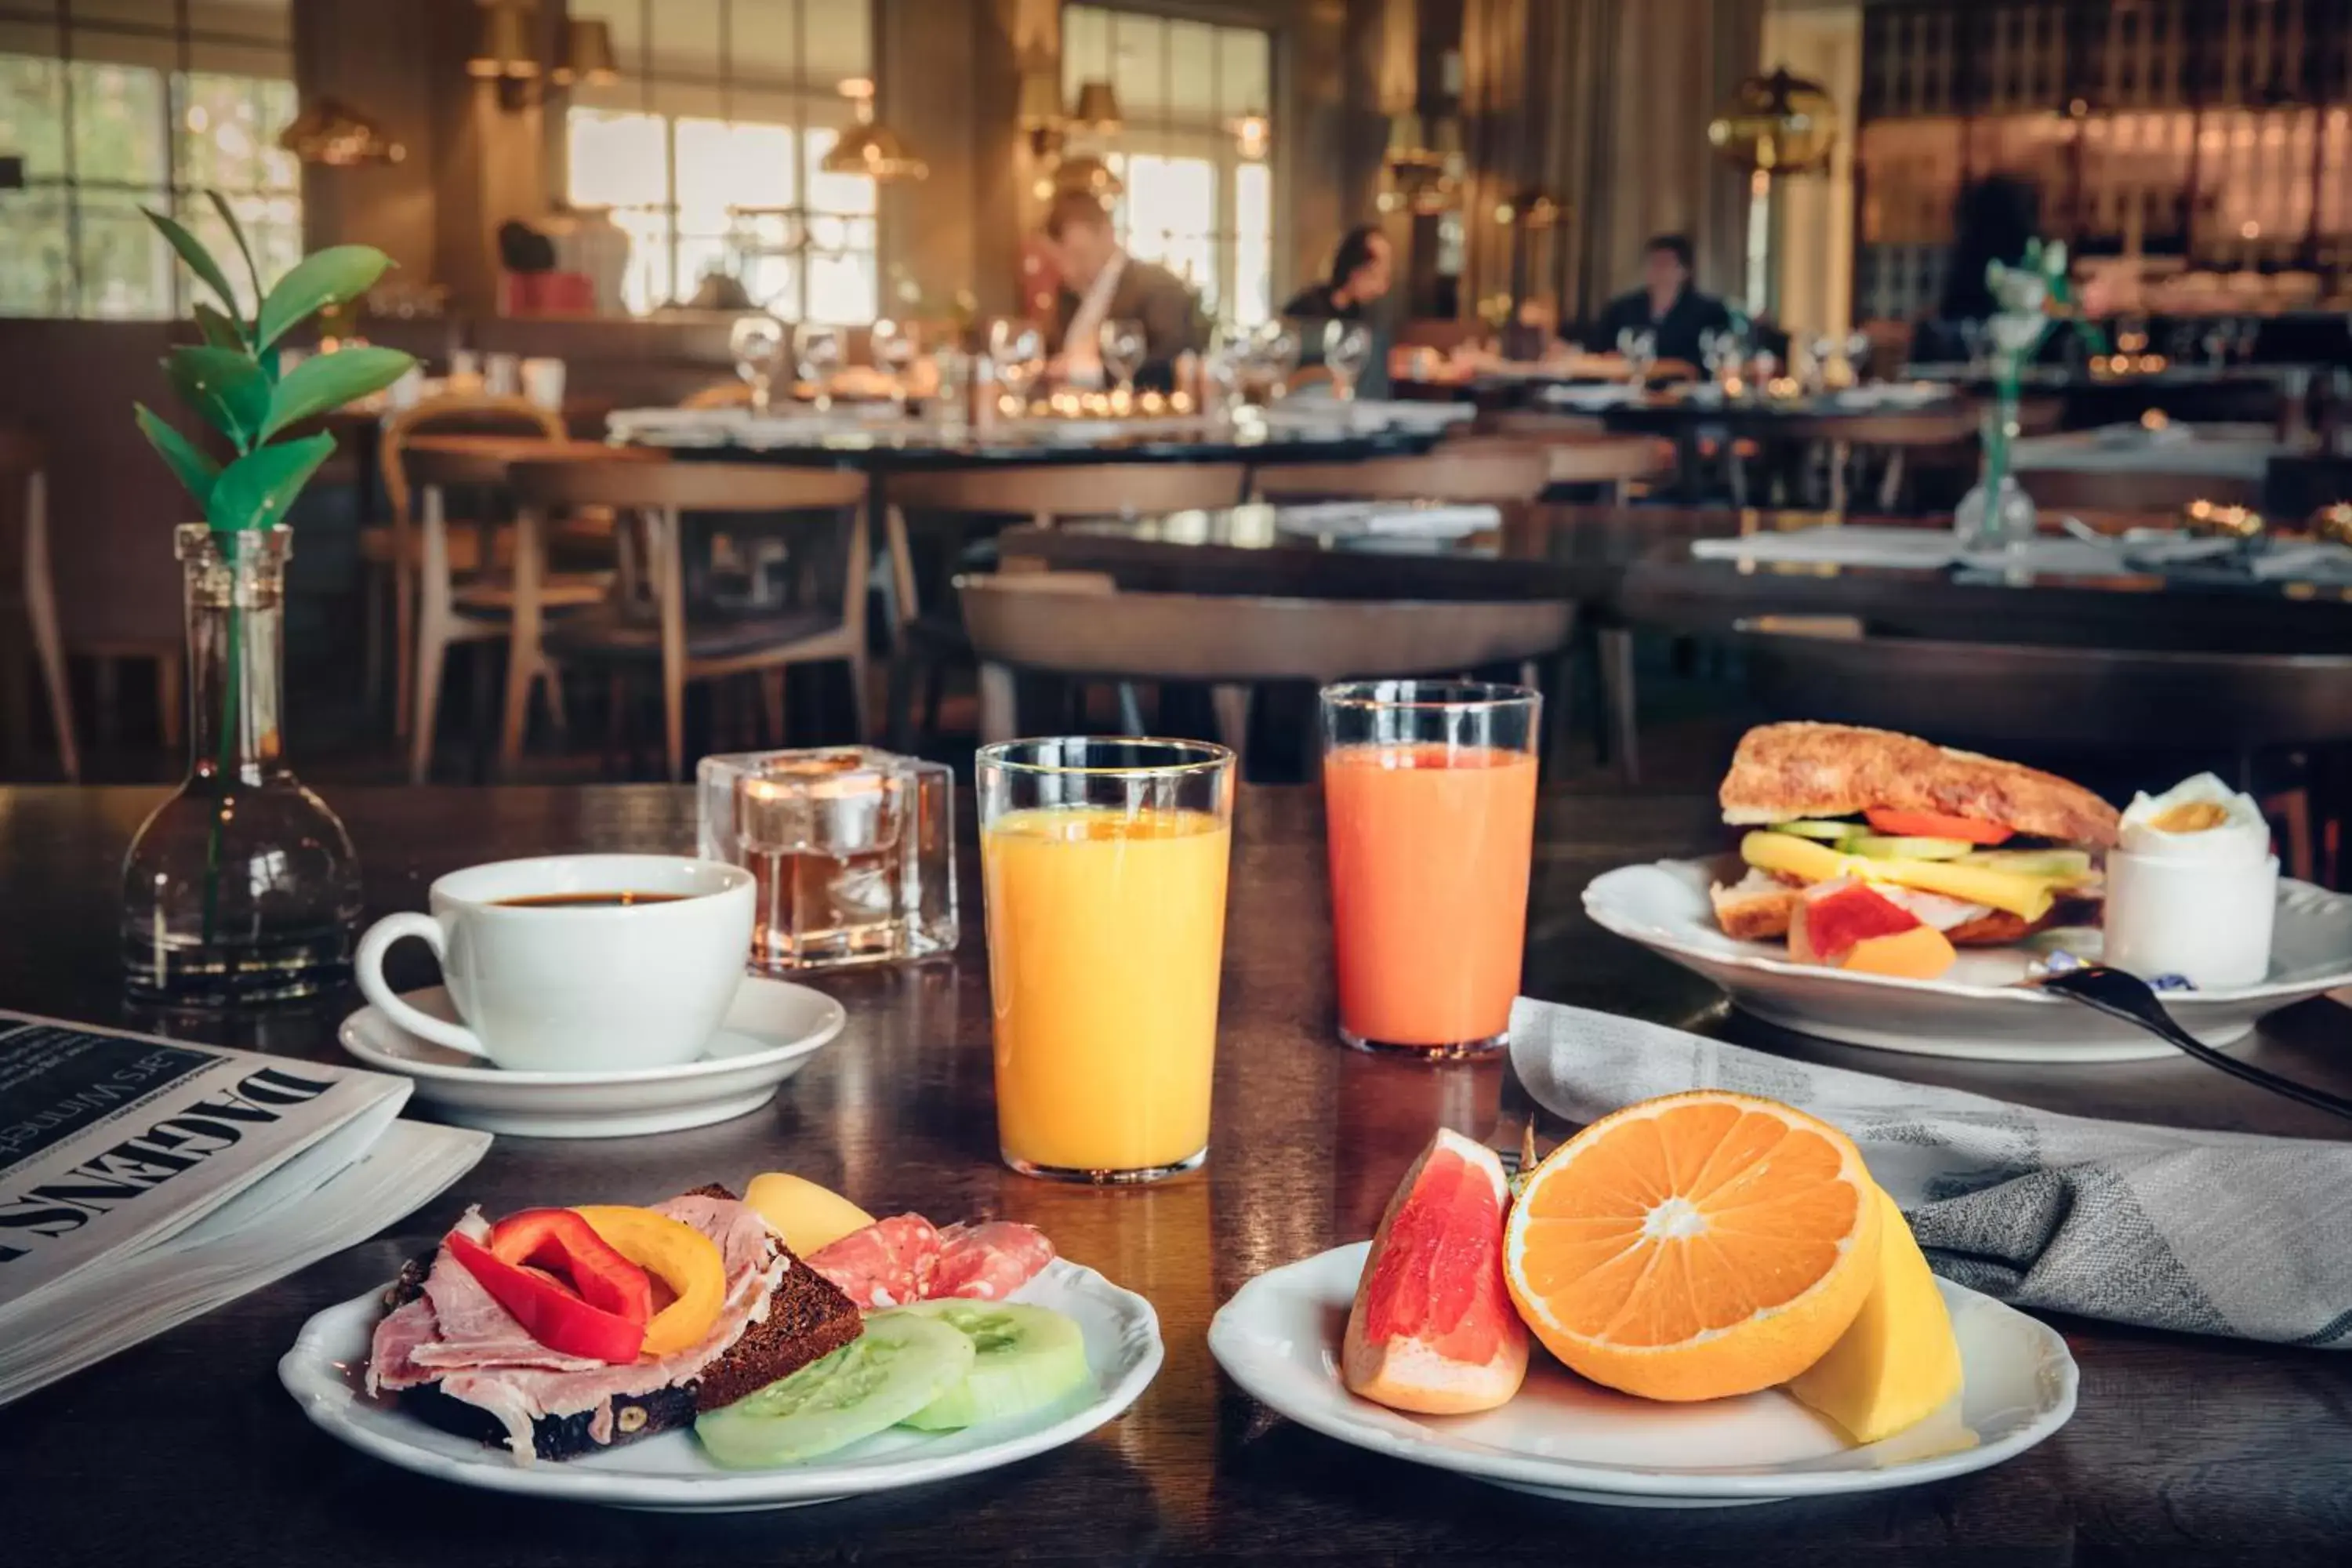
(894, 349)
(816, 354)
(1857, 354)
(756, 341)
(1122, 344)
(1640, 352)
(1018, 351)
(1278, 348)
(1347, 347)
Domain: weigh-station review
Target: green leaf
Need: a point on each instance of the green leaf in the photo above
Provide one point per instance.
(237, 233)
(196, 469)
(225, 386)
(220, 330)
(326, 382)
(256, 490)
(322, 278)
(192, 251)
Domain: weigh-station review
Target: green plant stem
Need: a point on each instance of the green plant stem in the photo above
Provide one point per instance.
(226, 751)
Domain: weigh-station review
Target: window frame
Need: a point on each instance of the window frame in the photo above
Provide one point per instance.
(67, 296)
(1211, 142)
(644, 83)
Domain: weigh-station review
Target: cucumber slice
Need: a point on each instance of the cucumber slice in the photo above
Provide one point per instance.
(1026, 1358)
(1827, 832)
(1878, 847)
(2068, 863)
(898, 1365)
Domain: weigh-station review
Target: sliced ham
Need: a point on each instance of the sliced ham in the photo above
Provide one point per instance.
(891, 1263)
(989, 1260)
(457, 1333)
(1931, 908)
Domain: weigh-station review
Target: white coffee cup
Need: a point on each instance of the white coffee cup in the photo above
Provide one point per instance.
(583, 987)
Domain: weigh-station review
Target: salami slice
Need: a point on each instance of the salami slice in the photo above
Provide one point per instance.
(989, 1260)
(891, 1263)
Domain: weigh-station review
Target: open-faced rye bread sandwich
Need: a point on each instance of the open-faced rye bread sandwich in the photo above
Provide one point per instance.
(560, 1332)
(1982, 851)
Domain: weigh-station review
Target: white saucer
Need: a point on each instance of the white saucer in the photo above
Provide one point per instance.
(1979, 1010)
(668, 1473)
(1564, 1437)
(770, 1030)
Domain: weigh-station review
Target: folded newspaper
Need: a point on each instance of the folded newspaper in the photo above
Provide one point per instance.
(144, 1182)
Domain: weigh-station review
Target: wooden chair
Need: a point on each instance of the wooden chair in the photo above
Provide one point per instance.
(691, 641)
(1583, 452)
(29, 607)
(1470, 470)
(956, 500)
(1895, 437)
(489, 603)
(1043, 623)
(395, 551)
(2081, 700)
(2136, 490)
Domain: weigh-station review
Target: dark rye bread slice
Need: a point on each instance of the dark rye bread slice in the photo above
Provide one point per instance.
(808, 1317)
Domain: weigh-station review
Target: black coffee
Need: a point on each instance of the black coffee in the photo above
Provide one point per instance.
(589, 900)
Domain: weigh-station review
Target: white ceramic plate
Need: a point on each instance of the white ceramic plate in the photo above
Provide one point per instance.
(770, 1030)
(668, 1473)
(1563, 1437)
(1977, 1010)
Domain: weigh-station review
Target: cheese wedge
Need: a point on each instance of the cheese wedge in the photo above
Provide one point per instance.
(2028, 898)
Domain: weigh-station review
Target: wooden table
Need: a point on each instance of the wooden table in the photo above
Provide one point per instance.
(186, 1449)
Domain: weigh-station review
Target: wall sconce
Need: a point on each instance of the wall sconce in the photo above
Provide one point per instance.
(506, 52)
(1097, 110)
(502, 48)
(1253, 134)
(587, 56)
(1040, 112)
(869, 147)
(329, 132)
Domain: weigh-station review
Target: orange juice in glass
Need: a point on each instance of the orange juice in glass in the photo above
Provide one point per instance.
(1429, 791)
(1103, 863)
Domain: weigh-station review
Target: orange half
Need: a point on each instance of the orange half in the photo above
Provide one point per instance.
(1694, 1246)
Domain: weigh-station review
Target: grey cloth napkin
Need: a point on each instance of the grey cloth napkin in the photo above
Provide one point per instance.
(2213, 1233)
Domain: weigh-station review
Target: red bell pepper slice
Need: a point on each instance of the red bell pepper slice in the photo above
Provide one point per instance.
(1934, 825)
(564, 1244)
(548, 1312)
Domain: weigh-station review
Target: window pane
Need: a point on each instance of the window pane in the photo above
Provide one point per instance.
(835, 192)
(125, 266)
(843, 285)
(1243, 74)
(840, 41)
(33, 114)
(1172, 217)
(228, 128)
(36, 278)
(647, 283)
(720, 166)
(118, 124)
(1085, 47)
(1136, 46)
(686, 39)
(1253, 299)
(1191, 70)
(617, 160)
(763, 37)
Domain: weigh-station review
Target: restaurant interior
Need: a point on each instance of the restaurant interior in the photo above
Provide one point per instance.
(1521, 630)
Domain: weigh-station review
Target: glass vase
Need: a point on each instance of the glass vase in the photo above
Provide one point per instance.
(1996, 516)
(243, 886)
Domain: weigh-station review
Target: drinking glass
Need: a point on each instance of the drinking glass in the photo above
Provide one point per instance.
(756, 341)
(1018, 351)
(894, 349)
(1640, 352)
(1279, 350)
(816, 354)
(1122, 344)
(1103, 868)
(1429, 794)
(1347, 347)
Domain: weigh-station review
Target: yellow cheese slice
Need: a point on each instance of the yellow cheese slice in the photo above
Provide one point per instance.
(2028, 898)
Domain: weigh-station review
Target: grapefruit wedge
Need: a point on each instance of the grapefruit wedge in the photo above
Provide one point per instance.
(1432, 1329)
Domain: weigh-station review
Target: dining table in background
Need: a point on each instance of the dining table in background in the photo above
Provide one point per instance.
(186, 1451)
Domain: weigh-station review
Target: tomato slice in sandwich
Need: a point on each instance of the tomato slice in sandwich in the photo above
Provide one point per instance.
(1934, 825)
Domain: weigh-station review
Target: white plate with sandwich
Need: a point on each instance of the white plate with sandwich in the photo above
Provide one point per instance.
(1808, 799)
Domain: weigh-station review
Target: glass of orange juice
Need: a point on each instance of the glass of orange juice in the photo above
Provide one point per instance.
(1103, 863)
(1429, 794)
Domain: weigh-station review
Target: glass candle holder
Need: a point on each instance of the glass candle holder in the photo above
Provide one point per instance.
(852, 850)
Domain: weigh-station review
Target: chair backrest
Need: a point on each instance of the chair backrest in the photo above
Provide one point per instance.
(2135, 490)
(609, 479)
(1475, 469)
(473, 414)
(1047, 492)
(1956, 424)
(22, 459)
(2060, 698)
(1029, 623)
(485, 461)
